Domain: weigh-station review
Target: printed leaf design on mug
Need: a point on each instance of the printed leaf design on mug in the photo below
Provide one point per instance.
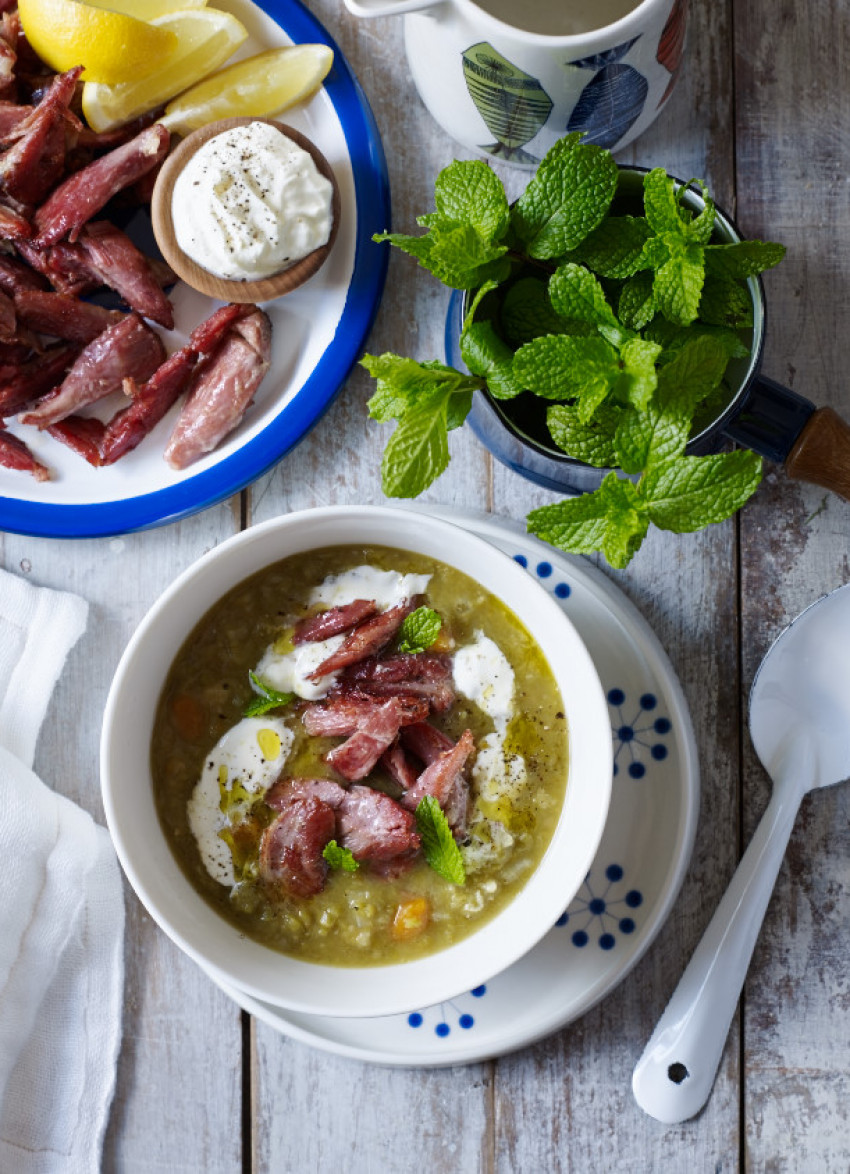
(609, 105)
(671, 45)
(609, 57)
(512, 103)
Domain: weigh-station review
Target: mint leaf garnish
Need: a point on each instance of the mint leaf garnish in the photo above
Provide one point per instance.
(417, 452)
(636, 306)
(615, 248)
(561, 367)
(486, 354)
(725, 302)
(470, 191)
(338, 857)
(419, 630)
(743, 259)
(527, 313)
(592, 442)
(688, 493)
(612, 519)
(268, 698)
(576, 294)
(567, 198)
(438, 844)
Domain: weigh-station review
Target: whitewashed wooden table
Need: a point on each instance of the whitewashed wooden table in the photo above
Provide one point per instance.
(761, 114)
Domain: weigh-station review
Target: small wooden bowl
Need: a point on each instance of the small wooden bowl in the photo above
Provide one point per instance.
(227, 289)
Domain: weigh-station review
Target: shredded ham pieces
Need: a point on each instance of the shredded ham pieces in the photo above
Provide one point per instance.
(380, 706)
(60, 355)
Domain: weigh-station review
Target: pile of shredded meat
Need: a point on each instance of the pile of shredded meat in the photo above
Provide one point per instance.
(379, 705)
(60, 354)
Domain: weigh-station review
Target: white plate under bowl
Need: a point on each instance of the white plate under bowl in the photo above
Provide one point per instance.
(635, 876)
(318, 333)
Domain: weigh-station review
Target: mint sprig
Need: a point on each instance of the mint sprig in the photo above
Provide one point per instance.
(268, 698)
(339, 858)
(419, 630)
(625, 324)
(438, 844)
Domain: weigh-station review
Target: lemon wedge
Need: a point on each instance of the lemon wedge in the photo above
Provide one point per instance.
(146, 9)
(253, 88)
(205, 39)
(111, 45)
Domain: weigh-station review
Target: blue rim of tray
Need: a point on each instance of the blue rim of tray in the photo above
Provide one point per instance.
(372, 201)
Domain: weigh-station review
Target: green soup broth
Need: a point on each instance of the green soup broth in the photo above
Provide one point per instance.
(359, 917)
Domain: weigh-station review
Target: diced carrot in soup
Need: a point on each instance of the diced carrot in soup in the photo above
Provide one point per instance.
(411, 917)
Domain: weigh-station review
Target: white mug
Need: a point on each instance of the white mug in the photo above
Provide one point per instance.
(511, 92)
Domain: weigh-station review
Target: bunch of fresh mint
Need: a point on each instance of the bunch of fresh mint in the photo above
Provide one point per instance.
(625, 323)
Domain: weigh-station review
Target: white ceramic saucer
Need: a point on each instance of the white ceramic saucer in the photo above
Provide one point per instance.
(632, 883)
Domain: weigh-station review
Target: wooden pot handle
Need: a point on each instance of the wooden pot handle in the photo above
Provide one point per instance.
(821, 453)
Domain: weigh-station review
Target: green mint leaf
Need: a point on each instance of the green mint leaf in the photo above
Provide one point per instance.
(477, 299)
(463, 259)
(453, 251)
(678, 284)
(636, 306)
(666, 214)
(638, 378)
(663, 211)
(725, 302)
(418, 451)
(576, 295)
(487, 355)
(404, 382)
(672, 338)
(660, 431)
(743, 259)
(268, 698)
(566, 199)
(688, 493)
(338, 857)
(527, 313)
(419, 630)
(615, 248)
(560, 367)
(700, 227)
(593, 442)
(458, 408)
(470, 191)
(438, 844)
(654, 253)
(612, 519)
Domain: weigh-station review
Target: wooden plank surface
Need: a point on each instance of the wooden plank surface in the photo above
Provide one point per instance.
(761, 113)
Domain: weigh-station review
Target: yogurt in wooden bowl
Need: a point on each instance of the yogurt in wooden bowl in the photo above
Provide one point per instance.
(246, 209)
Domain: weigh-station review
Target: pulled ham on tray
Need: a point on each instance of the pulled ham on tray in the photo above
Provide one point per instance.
(60, 354)
(379, 705)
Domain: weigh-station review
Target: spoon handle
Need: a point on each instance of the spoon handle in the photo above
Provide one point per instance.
(675, 1074)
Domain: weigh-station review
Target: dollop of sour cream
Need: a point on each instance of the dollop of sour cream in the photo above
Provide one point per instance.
(250, 202)
(289, 671)
(252, 753)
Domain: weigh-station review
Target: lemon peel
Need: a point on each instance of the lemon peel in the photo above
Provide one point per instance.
(256, 87)
(112, 46)
(205, 38)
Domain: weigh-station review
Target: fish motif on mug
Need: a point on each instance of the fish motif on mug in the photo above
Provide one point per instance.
(512, 103)
(612, 101)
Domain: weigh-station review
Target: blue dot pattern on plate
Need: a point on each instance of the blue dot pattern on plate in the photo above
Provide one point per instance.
(602, 910)
(637, 728)
(443, 1018)
(544, 571)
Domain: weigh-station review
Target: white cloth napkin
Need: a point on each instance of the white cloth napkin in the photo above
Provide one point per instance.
(61, 916)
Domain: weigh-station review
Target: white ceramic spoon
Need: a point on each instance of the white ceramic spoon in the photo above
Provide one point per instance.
(800, 726)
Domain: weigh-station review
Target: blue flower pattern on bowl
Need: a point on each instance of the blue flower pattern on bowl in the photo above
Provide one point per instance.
(599, 912)
(456, 1012)
(638, 734)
